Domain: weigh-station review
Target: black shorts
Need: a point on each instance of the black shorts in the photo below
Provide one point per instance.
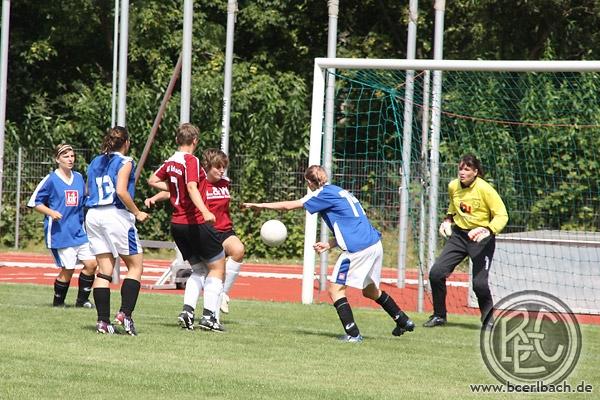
(223, 235)
(197, 242)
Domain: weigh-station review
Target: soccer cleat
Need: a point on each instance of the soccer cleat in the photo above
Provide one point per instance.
(434, 320)
(351, 339)
(225, 304)
(186, 320)
(408, 326)
(129, 326)
(105, 328)
(84, 304)
(119, 318)
(210, 323)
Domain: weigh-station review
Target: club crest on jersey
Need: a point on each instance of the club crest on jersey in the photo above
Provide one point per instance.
(71, 198)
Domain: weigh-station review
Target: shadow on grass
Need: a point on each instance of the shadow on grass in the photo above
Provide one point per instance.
(316, 333)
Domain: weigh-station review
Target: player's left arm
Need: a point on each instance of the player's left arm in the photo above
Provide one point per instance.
(497, 211)
(123, 193)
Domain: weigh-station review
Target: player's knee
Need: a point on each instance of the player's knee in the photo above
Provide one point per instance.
(481, 287)
(436, 275)
(236, 251)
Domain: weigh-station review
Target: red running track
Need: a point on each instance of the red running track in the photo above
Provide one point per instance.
(265, 282)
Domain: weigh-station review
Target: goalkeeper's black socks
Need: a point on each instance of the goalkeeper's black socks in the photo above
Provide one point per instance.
(345, 313)
(129, 295)
(389, 305)
(60, 292)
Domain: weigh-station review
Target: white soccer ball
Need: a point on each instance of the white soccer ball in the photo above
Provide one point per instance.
(273, 232)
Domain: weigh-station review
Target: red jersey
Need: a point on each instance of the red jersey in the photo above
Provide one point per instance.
(177, 171)
(216, 196)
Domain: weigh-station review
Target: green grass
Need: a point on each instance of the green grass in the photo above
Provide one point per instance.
(271, 351)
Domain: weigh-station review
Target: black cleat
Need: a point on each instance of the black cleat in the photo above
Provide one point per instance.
(408, 326)
(186, 320)
(210, 324)
(84, 304)
(434, 320)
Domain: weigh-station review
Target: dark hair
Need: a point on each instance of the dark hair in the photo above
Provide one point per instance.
(472, 162)
(316, 175)
(186, 134)
(114, 139)
(214, 158)
(62, 148)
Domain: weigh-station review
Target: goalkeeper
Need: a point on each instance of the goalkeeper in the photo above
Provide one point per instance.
(475, 215)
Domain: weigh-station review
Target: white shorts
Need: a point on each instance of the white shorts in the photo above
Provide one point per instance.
(67, 257)
(359, 269)
(112, 230)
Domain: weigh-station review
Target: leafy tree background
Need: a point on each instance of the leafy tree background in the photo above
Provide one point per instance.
(60, 74)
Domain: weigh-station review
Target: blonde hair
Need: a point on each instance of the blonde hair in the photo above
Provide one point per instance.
(214, 158)
(186, 133)
(114, 139)
(316, 175)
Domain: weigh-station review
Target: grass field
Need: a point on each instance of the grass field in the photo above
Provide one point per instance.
(271, 351)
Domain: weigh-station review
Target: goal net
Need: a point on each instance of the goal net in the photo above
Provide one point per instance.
(397, 133)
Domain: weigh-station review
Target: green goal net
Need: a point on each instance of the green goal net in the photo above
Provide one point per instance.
(537, 135)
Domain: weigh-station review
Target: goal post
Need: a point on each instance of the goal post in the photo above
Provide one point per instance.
(384, 79)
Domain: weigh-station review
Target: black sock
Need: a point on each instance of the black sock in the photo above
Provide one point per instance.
(129, 295)
(85, 287)
(102, 300)
(188, 308)
(345, 313)
(60, 292)
(389, 305)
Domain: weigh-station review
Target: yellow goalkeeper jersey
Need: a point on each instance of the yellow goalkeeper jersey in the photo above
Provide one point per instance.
(476, 205)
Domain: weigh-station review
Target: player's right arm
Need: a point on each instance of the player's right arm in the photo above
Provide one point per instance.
(194, 193)
(55, 215)
(41, 197)
(160, 196)
(158, 183)
(279, 205)
(320, 247)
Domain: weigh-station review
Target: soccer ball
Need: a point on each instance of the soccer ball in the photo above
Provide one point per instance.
(273, 232)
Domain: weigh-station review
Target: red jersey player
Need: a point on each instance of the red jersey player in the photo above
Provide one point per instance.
(215, 194)
(191, 228)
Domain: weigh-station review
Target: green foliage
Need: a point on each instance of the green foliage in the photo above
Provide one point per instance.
(60, 90)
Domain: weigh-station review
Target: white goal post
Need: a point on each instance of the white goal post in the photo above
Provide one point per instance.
(321, 65)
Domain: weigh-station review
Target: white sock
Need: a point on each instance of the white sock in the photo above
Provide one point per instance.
(193, 287)
(213, 288)
(232, 270)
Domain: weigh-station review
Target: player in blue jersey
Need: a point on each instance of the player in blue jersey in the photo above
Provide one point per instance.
(111, 228)
(60, 197)
(359, 264)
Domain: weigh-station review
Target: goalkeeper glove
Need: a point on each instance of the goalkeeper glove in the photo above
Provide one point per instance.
(478, 234)
(446, 229)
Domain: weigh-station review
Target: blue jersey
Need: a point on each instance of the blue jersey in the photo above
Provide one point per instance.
(102, 180)
(66, 197)
(344, 215)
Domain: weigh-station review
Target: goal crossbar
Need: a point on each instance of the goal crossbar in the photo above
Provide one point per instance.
(459, 65)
